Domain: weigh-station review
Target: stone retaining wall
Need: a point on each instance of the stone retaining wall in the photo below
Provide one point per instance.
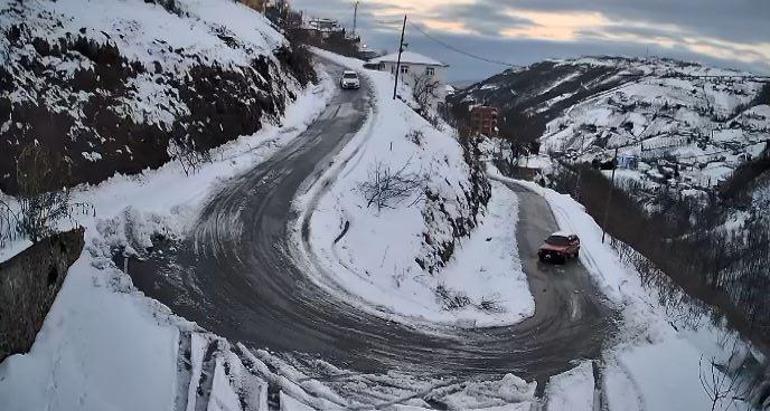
(29, 283)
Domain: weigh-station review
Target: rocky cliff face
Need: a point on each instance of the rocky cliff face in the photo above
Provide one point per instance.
(451, 220)
(29, 284)
(119, 86)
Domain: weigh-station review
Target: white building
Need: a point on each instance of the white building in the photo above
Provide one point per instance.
(323, 24)
(415, 67)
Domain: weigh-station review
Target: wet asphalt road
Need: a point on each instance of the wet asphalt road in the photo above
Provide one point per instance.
(234, 275)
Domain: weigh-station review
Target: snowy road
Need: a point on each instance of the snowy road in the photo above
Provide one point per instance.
(235, 277)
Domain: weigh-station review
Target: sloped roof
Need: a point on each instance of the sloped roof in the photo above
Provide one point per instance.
(409, 57)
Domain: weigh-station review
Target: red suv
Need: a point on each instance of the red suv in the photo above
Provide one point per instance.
(559, 247)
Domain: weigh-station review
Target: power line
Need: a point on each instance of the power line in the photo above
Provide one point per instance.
(460, 51)
(755, 78)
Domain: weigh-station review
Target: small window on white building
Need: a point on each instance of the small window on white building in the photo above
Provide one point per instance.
(404, 69)
(430, 71)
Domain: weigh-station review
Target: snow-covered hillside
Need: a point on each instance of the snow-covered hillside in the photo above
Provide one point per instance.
(118, 86)
(689, 125)
(104, 344)
(417, 254)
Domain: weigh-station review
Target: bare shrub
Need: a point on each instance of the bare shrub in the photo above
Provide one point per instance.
(416, 136)
(385, 188)
(40, 177)
(451, 301)
(719, 387)
(299, 61)
(425, 93)
(490, 305)
(184, 151)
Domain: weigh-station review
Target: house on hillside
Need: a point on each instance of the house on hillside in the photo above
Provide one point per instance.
(328, 34)
(324, 26)
(628, 161)
(415, 69)
(484, 120)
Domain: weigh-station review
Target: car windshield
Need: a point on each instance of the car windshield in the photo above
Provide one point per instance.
(557, 240)
(351, 75)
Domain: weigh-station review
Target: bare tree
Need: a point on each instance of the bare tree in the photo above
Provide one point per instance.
(43, 201)
(8, 224)
(190, 158)
(386, 188)
(718, 385)
(425, 93)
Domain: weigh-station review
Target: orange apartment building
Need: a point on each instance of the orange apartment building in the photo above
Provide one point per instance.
(484, 120)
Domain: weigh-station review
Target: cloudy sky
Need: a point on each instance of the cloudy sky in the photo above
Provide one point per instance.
(725, 33)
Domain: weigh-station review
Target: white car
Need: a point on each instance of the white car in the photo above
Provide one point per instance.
(350, 80)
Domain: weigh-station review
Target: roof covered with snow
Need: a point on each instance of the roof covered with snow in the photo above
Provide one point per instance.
(409, 57)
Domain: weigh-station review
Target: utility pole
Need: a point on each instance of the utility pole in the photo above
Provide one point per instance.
(398, 63)
(355, 18)
(609, 195)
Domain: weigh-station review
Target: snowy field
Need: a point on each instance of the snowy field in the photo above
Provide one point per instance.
(374, 257)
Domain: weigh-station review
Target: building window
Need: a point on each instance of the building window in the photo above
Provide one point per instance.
(431, 71)
(404, 69)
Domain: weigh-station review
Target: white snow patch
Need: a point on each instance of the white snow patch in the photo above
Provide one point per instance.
(572, 390)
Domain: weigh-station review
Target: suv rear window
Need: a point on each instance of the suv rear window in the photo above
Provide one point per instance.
(557, 240)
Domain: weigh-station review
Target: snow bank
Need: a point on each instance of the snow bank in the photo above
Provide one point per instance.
(572, 390)
(409, 260)
(98, 349)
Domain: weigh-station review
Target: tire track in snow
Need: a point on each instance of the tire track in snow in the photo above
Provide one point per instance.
(249, 289)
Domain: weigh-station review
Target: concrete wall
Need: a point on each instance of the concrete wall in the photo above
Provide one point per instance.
(29, 283)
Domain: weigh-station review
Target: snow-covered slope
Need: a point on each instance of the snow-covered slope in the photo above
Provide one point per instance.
(418, 255)
(115, 85)
(688, 128)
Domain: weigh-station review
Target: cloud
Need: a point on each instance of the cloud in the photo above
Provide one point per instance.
(486, 19)
(731, 33)
(732, 20)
